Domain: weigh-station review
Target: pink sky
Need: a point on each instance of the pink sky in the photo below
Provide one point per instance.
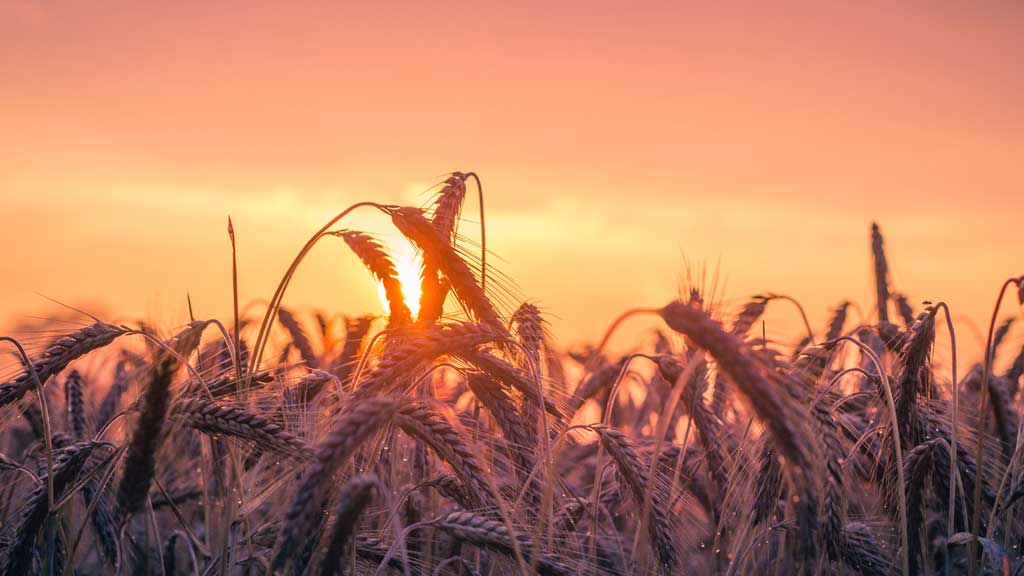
(615, 142)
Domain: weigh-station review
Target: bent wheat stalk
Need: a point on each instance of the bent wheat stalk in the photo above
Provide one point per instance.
(58, 356)
(894, 423)
(212, 418)
(972, 546)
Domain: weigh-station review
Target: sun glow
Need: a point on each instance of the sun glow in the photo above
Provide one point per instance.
(408, 267)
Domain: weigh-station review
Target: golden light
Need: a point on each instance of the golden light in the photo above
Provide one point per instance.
(408, 266)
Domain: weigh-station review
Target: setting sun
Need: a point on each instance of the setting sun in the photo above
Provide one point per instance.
(408, 267)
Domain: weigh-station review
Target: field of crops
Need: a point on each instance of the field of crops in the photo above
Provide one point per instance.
(453, 436)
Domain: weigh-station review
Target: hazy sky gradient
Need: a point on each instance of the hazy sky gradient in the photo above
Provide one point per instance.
(616, 142)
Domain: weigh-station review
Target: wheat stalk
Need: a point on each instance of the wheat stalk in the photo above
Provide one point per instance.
(212, 418)
(357, 494)
(140, 461)
(351, 429)
(494, 535)
(61, 353)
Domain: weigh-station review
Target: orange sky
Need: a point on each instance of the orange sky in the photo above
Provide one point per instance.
(615, 144)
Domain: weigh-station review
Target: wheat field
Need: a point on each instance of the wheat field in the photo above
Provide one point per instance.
(451, 435)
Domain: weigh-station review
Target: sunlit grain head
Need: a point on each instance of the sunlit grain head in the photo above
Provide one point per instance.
(408, 266)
